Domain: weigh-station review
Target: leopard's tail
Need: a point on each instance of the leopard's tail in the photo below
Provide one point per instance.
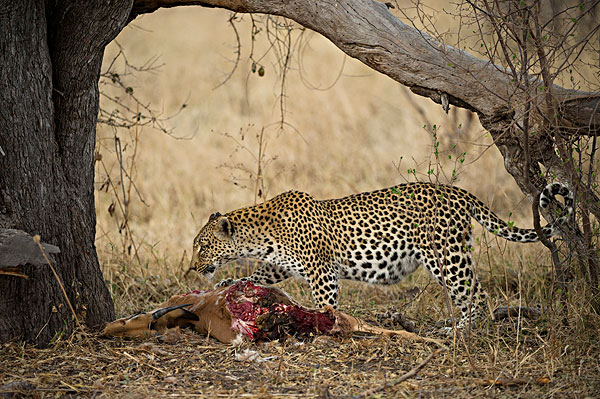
(499, 227)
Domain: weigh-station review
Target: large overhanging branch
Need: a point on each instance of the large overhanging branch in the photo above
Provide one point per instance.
(367, 31)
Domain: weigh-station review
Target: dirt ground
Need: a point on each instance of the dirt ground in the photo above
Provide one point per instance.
(509, 358)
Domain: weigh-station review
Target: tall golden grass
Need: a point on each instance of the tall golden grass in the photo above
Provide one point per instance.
(348, 129)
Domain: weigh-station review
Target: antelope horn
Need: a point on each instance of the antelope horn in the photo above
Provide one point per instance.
(135, 315)
(190, 315)
(157, 314)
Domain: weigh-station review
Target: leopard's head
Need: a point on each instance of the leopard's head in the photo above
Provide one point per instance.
(214, 245)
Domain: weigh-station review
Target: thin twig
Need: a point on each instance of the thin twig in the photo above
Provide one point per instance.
(37, 240)
(238, 51)
(413, 372)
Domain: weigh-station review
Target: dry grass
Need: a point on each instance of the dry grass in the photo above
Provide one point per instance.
(339, 141)
(526, 359)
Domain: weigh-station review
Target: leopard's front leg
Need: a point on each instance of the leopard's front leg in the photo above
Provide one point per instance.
(265, 274)
(324, 286)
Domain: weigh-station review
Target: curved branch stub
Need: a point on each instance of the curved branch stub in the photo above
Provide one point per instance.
(436, 96)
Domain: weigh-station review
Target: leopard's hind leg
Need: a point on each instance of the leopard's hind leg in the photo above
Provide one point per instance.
(452, 268)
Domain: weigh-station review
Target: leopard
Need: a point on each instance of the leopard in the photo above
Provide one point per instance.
(377, 237)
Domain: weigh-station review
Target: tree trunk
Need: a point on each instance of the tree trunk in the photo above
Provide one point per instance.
(52, 54)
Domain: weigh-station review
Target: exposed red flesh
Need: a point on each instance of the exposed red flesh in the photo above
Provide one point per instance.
(247, 302)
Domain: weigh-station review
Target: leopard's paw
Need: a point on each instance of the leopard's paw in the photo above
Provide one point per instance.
(226, 282)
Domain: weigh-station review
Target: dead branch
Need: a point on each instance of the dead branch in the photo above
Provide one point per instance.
(505, 312)
(367, 31)
(509, 382)
(410, 374)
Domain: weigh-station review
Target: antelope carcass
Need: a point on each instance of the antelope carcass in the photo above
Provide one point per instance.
(256, 312)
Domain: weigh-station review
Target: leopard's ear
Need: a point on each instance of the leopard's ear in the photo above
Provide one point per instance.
(224, 230)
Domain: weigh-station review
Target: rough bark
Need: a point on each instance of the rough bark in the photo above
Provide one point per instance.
(52, 54)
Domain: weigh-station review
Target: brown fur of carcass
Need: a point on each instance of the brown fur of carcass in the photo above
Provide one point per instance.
(209, 308)
(256, 312)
